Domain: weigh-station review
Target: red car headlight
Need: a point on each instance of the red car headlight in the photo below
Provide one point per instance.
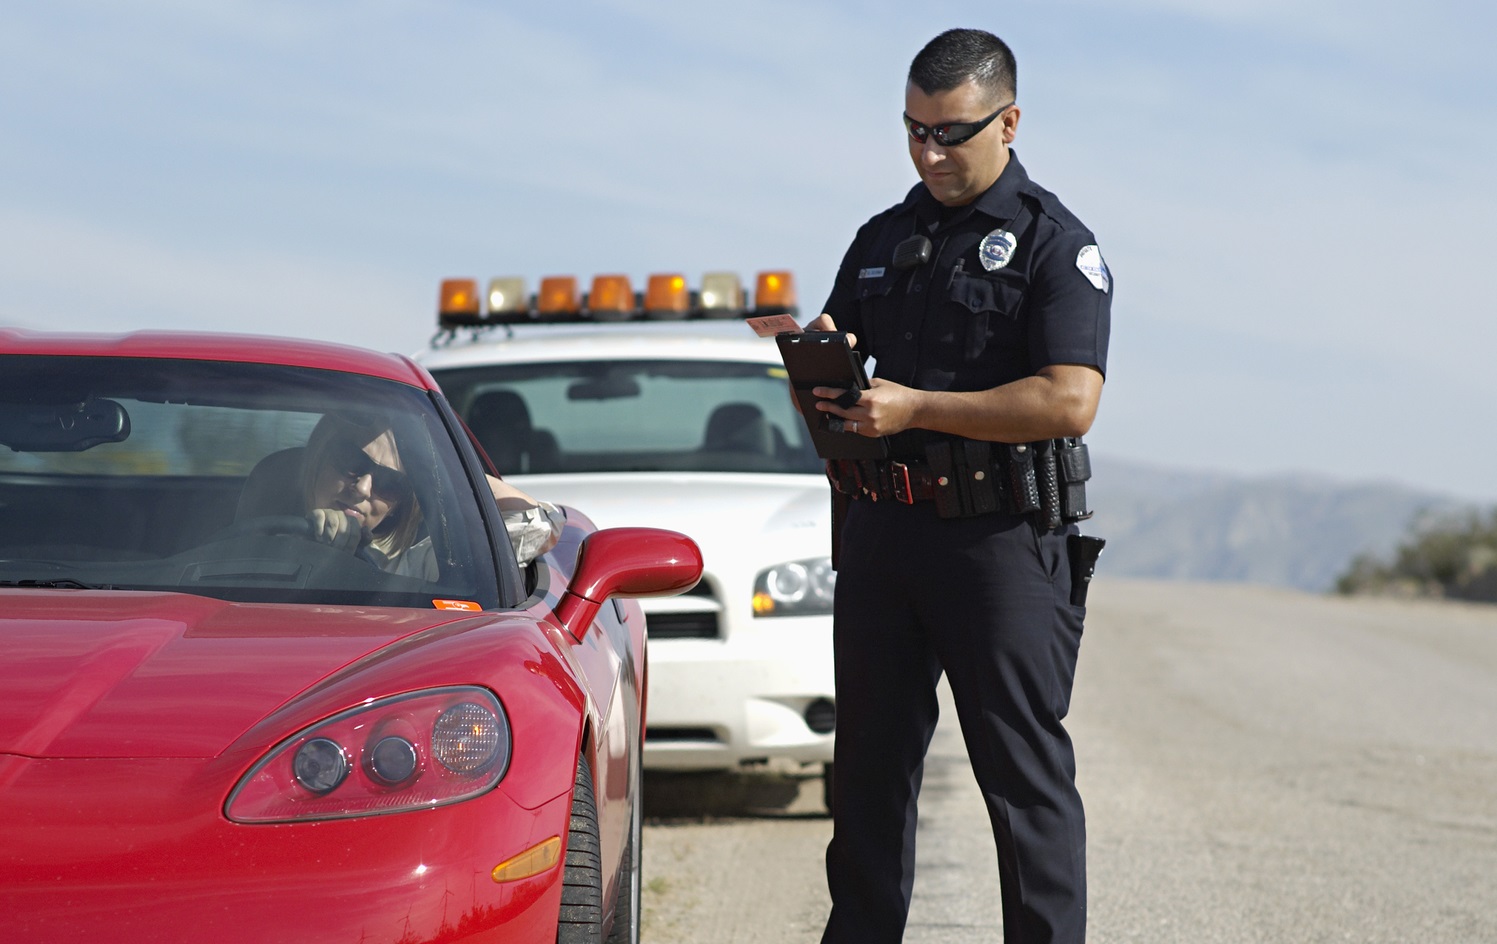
(402, 753)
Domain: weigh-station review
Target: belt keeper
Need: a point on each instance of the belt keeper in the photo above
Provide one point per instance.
(982, 484)
(885, 479)
(944, 479)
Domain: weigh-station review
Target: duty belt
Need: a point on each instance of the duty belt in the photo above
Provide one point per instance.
(966, 477)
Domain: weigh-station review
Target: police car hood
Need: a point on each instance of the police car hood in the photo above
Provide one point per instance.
(714, 509)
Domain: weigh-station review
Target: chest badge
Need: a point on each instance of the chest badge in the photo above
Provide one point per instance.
(996, 249)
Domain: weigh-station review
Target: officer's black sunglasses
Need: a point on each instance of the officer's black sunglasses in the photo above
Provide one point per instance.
(952, 132)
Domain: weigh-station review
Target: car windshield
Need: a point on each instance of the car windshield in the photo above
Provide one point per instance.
(636, 415)
(251, 482)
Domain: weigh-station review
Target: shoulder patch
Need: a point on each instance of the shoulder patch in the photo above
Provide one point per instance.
(1089, 261)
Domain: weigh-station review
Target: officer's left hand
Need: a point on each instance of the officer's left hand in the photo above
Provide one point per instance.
(883, 409)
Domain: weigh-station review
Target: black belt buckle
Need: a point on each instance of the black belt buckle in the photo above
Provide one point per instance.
(901, 476)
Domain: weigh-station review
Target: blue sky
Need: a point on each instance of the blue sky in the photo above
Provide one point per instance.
(1294, 197)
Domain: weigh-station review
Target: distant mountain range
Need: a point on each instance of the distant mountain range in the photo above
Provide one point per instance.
(1294, 531)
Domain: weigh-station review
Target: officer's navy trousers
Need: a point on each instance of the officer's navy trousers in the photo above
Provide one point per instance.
(986, 599)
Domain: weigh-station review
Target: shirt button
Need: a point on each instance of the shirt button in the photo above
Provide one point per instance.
(908, 336)
(917, 287)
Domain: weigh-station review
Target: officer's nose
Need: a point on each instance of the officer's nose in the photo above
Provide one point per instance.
(931, 153)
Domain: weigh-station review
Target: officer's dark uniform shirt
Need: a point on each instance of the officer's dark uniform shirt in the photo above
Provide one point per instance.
(1044, 296)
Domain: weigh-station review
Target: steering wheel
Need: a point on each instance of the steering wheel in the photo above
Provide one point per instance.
(294, 525)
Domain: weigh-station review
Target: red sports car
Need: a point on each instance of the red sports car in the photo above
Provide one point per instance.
(271, 670)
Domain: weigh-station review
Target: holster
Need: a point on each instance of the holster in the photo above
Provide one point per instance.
(1082, 551)
(1075, 468)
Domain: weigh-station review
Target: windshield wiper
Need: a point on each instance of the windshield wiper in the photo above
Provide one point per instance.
(56, 583)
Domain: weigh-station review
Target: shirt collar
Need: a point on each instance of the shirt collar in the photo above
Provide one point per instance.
(1000, 201)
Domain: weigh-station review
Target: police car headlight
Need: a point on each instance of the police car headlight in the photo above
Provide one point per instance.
(798, 588)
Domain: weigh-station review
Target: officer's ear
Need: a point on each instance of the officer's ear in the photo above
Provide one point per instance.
(1010, 122)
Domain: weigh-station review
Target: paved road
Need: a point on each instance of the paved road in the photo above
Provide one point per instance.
(1260, 766)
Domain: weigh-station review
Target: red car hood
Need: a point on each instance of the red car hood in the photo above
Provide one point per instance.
(90, 673)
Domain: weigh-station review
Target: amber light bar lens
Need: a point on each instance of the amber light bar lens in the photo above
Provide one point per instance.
(457, 304)
(775, 290)
(666, 296)
(611, 298)
(558, 295)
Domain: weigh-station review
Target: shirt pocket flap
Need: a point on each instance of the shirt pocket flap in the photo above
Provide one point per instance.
(979, 294)
(876, 286)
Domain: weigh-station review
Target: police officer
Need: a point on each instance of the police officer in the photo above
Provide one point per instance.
(986, 306)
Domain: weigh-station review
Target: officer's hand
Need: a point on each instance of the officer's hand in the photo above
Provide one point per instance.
(824, 322)
(331, 526)
(883, 409)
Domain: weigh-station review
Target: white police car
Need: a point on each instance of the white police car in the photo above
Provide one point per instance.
(663, 408)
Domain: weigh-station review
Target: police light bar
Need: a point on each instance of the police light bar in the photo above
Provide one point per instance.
(457, 304)
(612, 298)
(508, 302)
(557, 300)
(666, 297)
(722, 295)
(774, 294)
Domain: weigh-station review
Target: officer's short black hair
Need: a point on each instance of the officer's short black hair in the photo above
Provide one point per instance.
(958, 55)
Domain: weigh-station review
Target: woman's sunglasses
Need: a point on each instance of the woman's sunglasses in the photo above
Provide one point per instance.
(387, 484)
(951, 133)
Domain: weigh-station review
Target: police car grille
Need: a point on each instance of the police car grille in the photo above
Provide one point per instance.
(682, 625)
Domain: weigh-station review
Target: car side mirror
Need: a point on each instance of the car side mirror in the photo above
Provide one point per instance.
(627, 562)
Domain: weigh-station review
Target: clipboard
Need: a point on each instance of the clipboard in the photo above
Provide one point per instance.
(824, 359)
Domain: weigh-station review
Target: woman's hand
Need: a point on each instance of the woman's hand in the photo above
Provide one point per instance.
(334, 527)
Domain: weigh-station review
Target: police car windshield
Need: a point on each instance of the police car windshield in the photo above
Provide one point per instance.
(638, 415)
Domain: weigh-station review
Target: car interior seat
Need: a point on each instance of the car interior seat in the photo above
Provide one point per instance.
(273, 486)
(500, 421)
(739, 427)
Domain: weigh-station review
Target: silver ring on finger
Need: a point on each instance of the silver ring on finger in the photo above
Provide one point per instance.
(855, 426)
